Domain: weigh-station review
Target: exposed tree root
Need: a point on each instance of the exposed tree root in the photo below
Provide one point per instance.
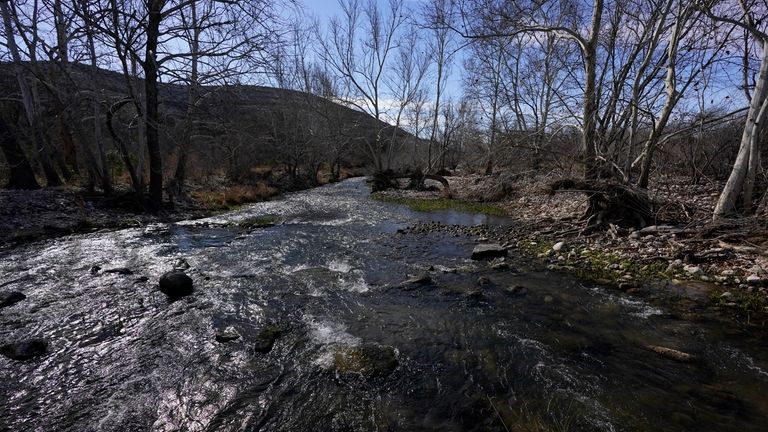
(610, 203)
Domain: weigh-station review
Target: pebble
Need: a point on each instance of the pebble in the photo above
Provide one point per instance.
(693, 270)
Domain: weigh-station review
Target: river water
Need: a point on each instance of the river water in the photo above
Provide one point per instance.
(562, 356)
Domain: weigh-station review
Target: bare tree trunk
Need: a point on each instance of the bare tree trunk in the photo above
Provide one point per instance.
(22, 175)
(98, 136)
(735, 185)
(589, 136)
(150, 84)
(754, 157)
(193, 89)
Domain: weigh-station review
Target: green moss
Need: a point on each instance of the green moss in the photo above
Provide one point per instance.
(259, 221)
(746, 301)
(596, 266)
(435, 204)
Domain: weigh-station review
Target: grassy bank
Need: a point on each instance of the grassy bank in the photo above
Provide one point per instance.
(435, 204)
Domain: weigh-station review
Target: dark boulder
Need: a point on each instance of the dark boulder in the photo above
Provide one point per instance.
(10, 298)
(176, 284)
(265, 340)
(24, 350)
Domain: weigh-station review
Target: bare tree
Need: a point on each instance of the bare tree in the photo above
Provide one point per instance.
(358, 47)
(31, 105)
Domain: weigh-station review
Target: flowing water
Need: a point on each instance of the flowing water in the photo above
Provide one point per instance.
(563, 356)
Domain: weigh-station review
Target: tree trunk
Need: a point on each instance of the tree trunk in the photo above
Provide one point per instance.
(150, 84)
(181, 164)
(589, 136)
(22, 175)
(98, 136)
(726, 204)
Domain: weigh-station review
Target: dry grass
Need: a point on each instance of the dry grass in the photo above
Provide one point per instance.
(233, 196)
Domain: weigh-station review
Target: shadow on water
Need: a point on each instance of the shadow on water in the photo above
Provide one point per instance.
(357, 349)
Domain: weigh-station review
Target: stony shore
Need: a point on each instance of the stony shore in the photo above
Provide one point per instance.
(724, 265)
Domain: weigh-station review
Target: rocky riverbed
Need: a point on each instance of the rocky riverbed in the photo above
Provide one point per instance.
(729, 258)
(346, 313)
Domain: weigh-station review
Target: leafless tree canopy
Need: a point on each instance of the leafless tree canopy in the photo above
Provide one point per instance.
(156, 95)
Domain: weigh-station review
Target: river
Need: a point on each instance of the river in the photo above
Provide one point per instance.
(559, 355)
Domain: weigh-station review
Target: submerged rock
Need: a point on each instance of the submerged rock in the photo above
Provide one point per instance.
(181, 264)
(176, 283)
(265, 340)
(501, 265)
(24, 350)
(120, 271)
(369, 360)
(419, 279)
(488, 251)
(482, 280)
(10, 298)
(517, 290)
(474, 295)
(672, 354)
(227, 335)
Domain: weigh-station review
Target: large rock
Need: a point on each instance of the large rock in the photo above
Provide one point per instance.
(265, 340)
(25, 350)
(369, 360)
(176, 284)
(10, 298)
(488, 251)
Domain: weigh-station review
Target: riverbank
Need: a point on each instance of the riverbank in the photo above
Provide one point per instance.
(52, 212)
(725, 262)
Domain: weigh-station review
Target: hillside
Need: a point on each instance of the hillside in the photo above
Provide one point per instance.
(230, 130)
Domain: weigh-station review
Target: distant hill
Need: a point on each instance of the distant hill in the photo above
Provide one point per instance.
(235, 126)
